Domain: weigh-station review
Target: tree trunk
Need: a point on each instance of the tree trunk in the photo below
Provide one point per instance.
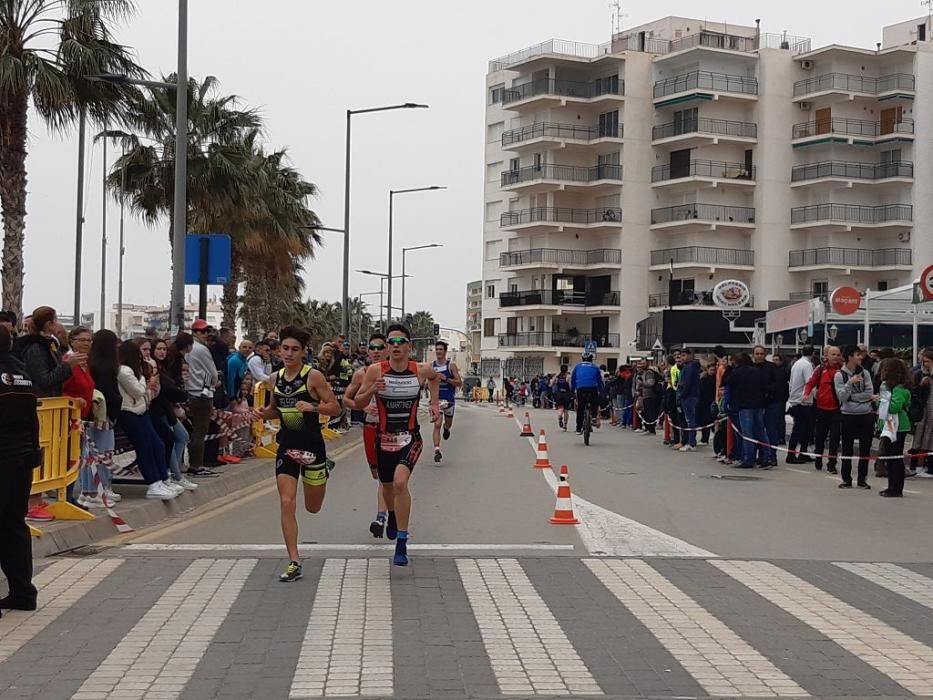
(13, 197)
(231, 296)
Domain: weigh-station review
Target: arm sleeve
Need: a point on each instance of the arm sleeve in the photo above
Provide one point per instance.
(134, 387)
(42, 377)
(900, 399)
(843, 388)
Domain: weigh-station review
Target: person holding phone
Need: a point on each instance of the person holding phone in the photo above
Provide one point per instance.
(855, 393)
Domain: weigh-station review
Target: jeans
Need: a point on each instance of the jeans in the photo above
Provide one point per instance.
(752, 425)
(689, 405)
(862, 428)
(775, 425)
(150, 451)
(826, 424)
(175, 439)
(801, 435)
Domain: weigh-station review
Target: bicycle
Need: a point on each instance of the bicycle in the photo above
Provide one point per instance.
(587, 423)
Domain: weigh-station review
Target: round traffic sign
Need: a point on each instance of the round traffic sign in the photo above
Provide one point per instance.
(926, 282)
(845, 300)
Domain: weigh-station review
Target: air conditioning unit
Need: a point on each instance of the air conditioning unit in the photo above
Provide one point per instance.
(804, 106)
(806, 65)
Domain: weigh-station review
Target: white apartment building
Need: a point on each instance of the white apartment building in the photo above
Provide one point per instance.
(625, 180)
(474, 319)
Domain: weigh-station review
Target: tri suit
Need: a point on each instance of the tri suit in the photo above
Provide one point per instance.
(562, 393)
(370, 430)
(301, 450)
(398, 439)
(446, 390)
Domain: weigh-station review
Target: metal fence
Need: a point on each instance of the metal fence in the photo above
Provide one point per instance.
(548, 339)
(560, 47)
(852, 213)
(704, 125)
(559, 297)
(706, 80)
(564, 88)
(571, 173)
(851, 127)
(854, 83)
(716, 40)
(850, 257)
(556, 256)
(703, 212)
(702, 168)
(703, 256)
(559, 131)
(562, 215)
(856, 171)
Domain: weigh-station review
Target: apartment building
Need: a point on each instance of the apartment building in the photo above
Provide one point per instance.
(474, 319)
(625, 180)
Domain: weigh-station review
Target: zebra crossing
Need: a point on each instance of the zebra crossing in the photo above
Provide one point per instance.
(174, 627)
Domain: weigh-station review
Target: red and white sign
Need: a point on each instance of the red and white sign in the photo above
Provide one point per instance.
(845, 300)
(926, 282)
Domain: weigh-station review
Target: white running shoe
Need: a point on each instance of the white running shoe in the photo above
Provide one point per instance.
(688, 448)
(92, 502)
(160, 491)
(187, 485)
(112, 496)
(925, 475)
(174, 486)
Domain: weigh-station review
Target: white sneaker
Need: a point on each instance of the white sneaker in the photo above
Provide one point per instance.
(113, 496)
(91, 502)
(925, 475)
(174, 486)
(187, 485)
(161, 491)
(688, 448)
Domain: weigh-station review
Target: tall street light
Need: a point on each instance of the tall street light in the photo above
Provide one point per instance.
(366, 294)
(346, 206)
(383, 277)
(392, 194)
(405, 250)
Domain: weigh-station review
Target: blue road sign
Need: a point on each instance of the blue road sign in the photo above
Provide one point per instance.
(218, 258)
(590, 346)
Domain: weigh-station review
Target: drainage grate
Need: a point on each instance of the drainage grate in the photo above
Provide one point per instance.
(734, 477)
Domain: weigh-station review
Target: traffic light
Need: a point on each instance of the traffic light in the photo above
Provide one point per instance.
(437, 330)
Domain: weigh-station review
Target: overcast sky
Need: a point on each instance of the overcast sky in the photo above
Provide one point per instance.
(303, 63)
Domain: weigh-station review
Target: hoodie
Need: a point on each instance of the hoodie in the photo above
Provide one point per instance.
(688, 384)
(44, 365)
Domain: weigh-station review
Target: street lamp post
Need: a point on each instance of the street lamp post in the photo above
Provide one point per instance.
(79, 216)
(366, 294)
(180, 208)
(346, 206)
(383, 277)
(405, 250)
(392, 194)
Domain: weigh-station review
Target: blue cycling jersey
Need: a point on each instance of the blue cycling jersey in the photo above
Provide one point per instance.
(586, 375)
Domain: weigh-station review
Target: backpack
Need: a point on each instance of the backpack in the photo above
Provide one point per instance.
(819, 377)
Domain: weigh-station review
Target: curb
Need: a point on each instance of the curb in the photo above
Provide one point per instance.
(63, 536)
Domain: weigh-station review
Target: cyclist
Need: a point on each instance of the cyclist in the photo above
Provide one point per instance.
(560, 390)
(586, 382)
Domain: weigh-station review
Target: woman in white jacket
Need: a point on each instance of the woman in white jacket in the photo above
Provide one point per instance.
(150, 452)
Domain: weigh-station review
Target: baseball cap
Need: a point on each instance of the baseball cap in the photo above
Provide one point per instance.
(199, 325)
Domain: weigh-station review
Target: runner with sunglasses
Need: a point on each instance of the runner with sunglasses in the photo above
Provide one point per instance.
(450, 380)
(377, 352)
(300, 395)
(396, 384)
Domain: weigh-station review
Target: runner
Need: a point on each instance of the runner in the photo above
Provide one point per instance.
(450, 380)
(377, 354)
(560, 390)
(299, 390)
(396, 384)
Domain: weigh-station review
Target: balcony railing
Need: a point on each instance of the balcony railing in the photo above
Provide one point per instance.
(850, 257)
(705, 80)
(564, 88)
(703, 256)
(702, 168)
(686, 298)
(556, 256)
(560, 47)
(561, 215)
(851, 213)
(634, 42)
(854, 83)
(703, 212)
(571, 173)
(850, 170)
(851, 127)
(557, 340)
(554, 297)
(559, 131)
(704, 125)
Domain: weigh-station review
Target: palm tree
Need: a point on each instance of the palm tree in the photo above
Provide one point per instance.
(421, 326)
(47, 50)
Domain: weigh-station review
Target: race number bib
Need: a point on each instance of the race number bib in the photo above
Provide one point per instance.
(302, 457)
(394, 442)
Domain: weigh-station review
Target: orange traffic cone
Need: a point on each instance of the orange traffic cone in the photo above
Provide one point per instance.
(526, 428)
(542, 461)
(563, 510)
(511, 415)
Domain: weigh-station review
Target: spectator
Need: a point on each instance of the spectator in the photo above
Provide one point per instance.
(220, 351)
(893, 422)
(150, 452)
(707, 409)
(855, 393)
(200, 385)
(238, 367)
(672, 408)
(544, 391)
(746, 386)
(8, 321)
(104, 363)
(923, 436)
(688, 398)
(260, 363)
(776, 391)
(648, 390)
(801, 434)
(80, 386)
(491, 388)
(826, 423)
(167, 415)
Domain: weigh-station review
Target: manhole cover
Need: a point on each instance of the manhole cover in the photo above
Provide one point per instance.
(734, 477)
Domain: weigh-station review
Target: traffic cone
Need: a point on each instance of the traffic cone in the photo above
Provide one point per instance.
(563, 510)
(542, 461)
(511, 415)
(526, 428)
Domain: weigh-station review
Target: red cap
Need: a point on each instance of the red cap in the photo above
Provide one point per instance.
(199, 325)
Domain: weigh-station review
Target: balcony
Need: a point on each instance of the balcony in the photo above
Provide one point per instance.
(702, 217)
(714, 172)
(552, 48)
(851, 173)
(712, 40)
(662, 300)
(559, 135)
(558, 300)
(537, 219)
(850, 259)
(704, 85)
(559, 92)
(545, 339)
(704, 130)
(560, 259)
(549, 177)
(858, 132)
(850, 216)
(699, 256)
(852, 86)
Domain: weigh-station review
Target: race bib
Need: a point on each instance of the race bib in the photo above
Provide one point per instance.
(302, 457)
(394, 442)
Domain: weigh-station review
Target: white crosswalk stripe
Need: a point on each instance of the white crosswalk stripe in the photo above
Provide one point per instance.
(893, 653)
(528, 650)
(347, 649)
(159, 655)
(917, 587)
(60, 586)
(719, 660)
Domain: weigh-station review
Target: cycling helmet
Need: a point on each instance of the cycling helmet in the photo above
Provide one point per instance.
(587, 357)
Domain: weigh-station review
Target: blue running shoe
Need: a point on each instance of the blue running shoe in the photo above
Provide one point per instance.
(401, 552)
(391, 526)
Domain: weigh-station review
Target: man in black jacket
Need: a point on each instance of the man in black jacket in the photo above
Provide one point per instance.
(19, 436)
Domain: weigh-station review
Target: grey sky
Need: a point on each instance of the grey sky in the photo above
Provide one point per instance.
(304, 62)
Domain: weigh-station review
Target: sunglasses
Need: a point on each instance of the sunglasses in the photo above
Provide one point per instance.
(377, 347)
(397, 340)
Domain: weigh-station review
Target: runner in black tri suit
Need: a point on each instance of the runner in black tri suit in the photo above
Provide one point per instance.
(450, 380)
(300, 396)
(396, 384)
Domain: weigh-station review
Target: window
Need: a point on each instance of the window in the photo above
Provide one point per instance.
(513, 287)
(607, 85)
(514, 164)
(493, 171)
(493, 210)
(511, 326)
(883, 285)
(496, 93)
(494, 132)
(490, 291)
(489, 327)
(686, 121)
(819, 288)
(492, 250)
(609, 124)
(564, 284)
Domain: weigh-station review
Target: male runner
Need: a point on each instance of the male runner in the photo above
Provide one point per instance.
(396, 384)
(377, 353)
(300, 393)
(560, 390)
(450, 380)
(586, 381)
